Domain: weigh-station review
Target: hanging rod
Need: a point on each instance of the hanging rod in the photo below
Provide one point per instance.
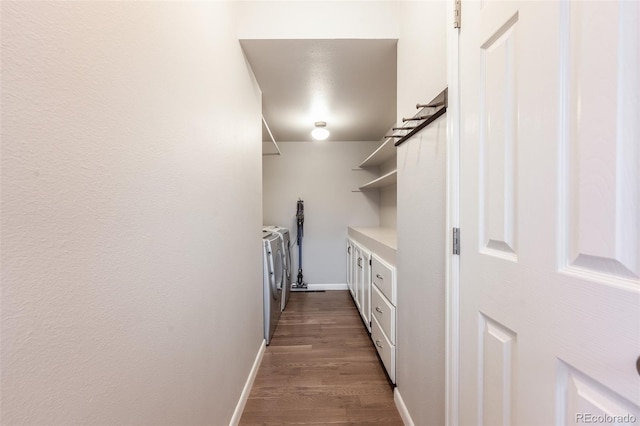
(440, 102)
(418, 118)
(429, 105)
(403, 128)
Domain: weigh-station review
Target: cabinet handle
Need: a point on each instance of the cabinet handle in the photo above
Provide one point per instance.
(380, 277)
(349, 249)
(360, 261)
(378, 344)
(378, 309)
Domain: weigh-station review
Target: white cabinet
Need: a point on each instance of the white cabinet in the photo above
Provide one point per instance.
(364, 285)
(359, 279)
(385, 349)
(384, 277)
(385, 313)
(383, 324)
(357, 274)
(372, 282)
(350, 269)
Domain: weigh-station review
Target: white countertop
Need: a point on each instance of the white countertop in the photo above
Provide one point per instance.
(381, 241)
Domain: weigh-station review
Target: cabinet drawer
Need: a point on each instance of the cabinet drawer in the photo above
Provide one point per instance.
(384, 277)
(385, 313)
(385, 349)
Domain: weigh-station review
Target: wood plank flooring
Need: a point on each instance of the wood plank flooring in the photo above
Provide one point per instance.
(320, 368)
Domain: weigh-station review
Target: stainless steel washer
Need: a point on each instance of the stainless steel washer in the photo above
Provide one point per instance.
(273, 279)
(286, 250)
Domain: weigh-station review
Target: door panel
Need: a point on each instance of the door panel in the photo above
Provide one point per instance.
(497, 349)
(602, 189)
(498, 145)
(585, 396)
(549, 211)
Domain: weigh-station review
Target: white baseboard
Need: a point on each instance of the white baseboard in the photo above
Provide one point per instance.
(402, 409)
(317, 287)
(237, 413)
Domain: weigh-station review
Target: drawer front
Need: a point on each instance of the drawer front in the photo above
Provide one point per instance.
(385, 313)
(384, 277)
(385, 349)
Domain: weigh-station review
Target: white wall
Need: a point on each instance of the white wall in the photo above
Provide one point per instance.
(422, 74)
(422, 53)
(321, 174)
(421, 274)
(318, 19)
(389, 207)
(388, 197)
(131, 213)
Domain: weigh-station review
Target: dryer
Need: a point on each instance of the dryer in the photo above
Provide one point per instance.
(286, 250)
(273, 280)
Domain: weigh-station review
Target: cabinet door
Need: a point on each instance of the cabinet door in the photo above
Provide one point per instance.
(357, 283)
(350, 266)
(365, 304)
(354, 270)
(383, 276)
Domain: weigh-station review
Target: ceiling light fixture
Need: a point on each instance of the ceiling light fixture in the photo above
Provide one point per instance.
(320, 133)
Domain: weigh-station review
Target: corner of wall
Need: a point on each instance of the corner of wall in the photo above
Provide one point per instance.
(246, 390)
(402, 408)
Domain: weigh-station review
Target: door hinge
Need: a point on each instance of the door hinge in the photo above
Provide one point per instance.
(457, 14)
(456, 241)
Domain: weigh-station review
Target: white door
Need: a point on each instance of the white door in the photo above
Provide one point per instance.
(549, 212)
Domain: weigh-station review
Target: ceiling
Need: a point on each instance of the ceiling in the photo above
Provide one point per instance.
(349, 84)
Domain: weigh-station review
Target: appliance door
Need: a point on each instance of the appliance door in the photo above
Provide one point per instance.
(287, 258)
(289, 268)
(277, 273)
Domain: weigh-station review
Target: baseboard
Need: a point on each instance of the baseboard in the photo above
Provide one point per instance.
(237, 413)
(402, 409)
(317, 287)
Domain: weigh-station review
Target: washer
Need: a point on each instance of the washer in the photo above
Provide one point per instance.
(273, 279)
(288, 276)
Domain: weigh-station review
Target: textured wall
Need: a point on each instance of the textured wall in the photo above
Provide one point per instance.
(346, 19)
(422, 74)
(421, 273)
(131, 213)
(320, 173)
(422, 53)
(388, 197)
(389, 207)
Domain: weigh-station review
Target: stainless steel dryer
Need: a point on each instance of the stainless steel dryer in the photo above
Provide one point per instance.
(286, 250)
(273, 279)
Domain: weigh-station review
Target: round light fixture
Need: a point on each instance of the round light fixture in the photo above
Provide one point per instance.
(320, 133)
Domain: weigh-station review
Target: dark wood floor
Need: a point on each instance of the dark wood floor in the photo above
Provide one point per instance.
(320, 368)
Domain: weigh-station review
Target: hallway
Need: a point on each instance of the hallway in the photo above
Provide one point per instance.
(320, 368)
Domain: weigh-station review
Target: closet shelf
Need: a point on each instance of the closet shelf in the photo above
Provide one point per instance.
(384, 152)
(269, 146)
(384, 180)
